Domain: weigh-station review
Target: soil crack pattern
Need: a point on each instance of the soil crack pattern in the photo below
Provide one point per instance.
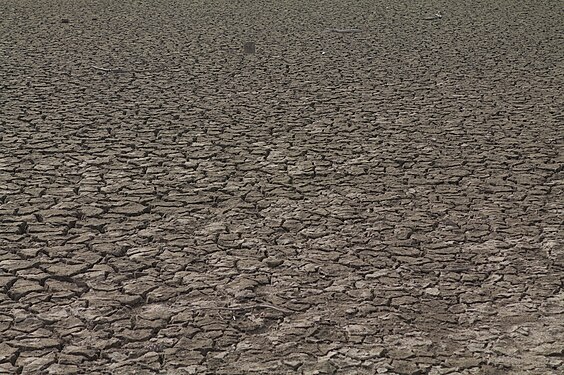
(281, 187)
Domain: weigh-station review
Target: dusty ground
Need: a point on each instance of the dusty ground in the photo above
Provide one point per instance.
(388, 201)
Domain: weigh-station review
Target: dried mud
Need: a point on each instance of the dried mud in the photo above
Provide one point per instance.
(375, 189)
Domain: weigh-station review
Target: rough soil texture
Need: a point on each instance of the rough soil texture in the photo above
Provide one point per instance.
(374, 190)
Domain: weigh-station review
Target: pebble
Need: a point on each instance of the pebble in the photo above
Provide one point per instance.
(273, 262)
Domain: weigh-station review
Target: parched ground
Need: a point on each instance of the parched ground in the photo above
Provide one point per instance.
(387, 200)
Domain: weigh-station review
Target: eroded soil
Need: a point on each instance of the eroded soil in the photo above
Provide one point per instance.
(374, 190)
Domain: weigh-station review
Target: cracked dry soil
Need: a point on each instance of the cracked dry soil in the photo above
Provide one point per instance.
(375, 189)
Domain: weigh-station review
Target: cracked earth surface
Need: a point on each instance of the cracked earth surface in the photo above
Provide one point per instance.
(384, 200)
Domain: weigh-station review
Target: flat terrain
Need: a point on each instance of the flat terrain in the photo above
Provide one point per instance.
(375, 190)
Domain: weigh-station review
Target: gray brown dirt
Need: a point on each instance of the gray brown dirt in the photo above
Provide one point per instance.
(373, 190)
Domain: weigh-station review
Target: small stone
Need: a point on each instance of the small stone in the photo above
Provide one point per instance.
(272, 262)
(249, 48)
(65, 20)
